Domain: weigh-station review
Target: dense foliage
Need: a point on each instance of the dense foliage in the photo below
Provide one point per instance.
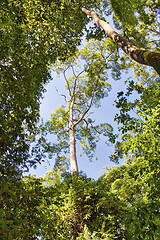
(120, 205)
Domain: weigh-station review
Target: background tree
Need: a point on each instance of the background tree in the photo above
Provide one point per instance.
(85, 89)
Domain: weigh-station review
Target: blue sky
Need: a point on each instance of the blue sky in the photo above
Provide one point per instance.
(105, 113)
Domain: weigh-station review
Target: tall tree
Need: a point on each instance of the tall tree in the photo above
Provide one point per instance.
(85, 89)
(145, 57)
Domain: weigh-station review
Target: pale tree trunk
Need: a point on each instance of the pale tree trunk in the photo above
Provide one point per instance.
(149, 58)
(73, 159)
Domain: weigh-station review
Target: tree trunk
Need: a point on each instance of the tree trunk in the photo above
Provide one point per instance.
(149, 58)
(73, 159)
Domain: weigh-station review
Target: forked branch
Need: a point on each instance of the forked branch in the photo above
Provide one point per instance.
(90, 104)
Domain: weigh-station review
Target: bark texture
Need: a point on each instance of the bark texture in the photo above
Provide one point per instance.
(73, 159)
(141, 56)
(153, 59)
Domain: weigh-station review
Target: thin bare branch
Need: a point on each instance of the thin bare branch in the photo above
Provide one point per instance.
(64, 73)
(86, 122)
(60, 149)
(73, 70)
(87, 115)
(80, 73)
(90, 104)
(105, 58)
(81, 103)
(137, 115)
(76, 78)
(63, 95)
(65, 130)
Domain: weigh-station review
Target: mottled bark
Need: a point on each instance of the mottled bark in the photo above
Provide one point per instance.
(73, 159)
(153, 59)
(141, 56)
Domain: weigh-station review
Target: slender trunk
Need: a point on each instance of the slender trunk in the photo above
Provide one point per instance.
(73, 159)
(149, 58)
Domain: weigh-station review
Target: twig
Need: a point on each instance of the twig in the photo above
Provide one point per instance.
(64, 73)
(62, 95)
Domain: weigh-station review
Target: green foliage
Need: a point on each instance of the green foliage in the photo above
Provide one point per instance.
(78, 207)
(132, 12)
(137, 181)
(124, 202)
(33, 35)
(137, 18)
(21, 213)
(124, 10)
(119, 205)
(132, 187)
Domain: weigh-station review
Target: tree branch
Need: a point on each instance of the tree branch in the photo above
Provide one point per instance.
(64, 73)
(87, 115)
(127, 47)
(81, 103)
(63, 95)
(90, 104)
(76, 77)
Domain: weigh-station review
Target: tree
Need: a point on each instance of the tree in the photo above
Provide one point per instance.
(85, 89)
(145, 57)
(32, 38)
